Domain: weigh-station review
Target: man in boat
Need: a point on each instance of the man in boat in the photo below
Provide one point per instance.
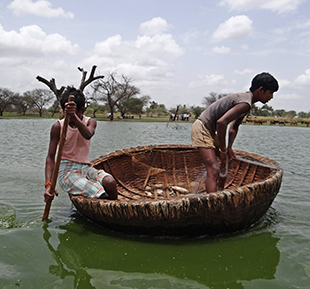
(76, 175)
(209, 130)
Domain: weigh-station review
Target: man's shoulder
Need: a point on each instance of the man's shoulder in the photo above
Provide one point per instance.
(87, 117)
(56, 127)
(90, 121)
(241, 94)
(57, 124)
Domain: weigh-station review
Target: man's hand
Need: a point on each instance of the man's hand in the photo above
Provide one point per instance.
(231, 154)
(48, 196)
(70, 108)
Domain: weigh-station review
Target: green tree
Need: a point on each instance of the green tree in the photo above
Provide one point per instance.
(155, 108)
(54, 108)
(128, 93)
(23, 104)
(291, 114)
(212, 97)
(134, 105)
(302, 114)
(38, 98)
(279, 112)
(112, 92)
(266, 110)
(96, 107)
(196, 110)
(145, 99)
(6, 98)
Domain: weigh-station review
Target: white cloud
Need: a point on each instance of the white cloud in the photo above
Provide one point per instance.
(299, 25)
(40, 8)
(303, 79)
(267, 52)
(159, 43)
(142, 51)
(288, 96)
(208, 81)
(296, 32)
(148, 58)
(279, 6)
(108, 46)
(244, 71)
(145, 49)
(283, 83)
(221, 50)
(244, 47)
(289, 101)
(235, 27)
(154, 26)
(33, 41)
(190, 36)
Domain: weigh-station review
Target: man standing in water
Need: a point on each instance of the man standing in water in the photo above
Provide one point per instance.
(209, 130)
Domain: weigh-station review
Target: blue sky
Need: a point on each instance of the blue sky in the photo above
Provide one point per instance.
(175, 51)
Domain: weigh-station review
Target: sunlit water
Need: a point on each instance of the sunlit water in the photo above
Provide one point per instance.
(70, 252)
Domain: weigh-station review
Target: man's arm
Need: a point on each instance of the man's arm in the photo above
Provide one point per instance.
(232, 133)
(50, 161)
(88, 130)
(232, 115)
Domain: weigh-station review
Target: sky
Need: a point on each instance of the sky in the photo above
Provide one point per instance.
(175, 51)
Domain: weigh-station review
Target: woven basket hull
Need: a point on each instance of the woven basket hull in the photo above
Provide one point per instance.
(249, 191)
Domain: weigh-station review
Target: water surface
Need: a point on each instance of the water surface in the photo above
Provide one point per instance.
(70, 252)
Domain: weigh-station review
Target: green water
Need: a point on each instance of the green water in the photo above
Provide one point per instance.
(71, 252)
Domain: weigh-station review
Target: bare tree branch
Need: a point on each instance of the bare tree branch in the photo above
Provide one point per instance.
(52, 85)
(91, 78)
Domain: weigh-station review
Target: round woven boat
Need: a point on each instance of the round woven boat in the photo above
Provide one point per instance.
(161, 189)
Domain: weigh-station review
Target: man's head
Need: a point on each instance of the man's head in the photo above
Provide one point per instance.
(79, 98)
(265, 80)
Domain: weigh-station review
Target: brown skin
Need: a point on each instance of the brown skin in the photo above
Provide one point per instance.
(209, 156)
(87, 131)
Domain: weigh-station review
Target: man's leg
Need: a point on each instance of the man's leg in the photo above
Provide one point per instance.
(105, 181)
(109, 185)
(210, 160)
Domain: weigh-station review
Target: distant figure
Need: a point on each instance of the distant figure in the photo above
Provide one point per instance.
(209, 130)
(76, 175)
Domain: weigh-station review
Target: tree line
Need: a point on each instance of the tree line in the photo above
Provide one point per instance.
(110, 95)
(114, 94)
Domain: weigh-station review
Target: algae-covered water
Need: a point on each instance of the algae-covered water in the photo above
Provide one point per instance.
(70, 252)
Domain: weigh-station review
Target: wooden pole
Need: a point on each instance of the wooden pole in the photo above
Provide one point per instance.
(57, 163)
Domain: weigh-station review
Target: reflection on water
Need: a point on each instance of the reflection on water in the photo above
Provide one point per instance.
(90, 259)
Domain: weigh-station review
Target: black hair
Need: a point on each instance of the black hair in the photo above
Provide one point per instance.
(266, 80)
(79, 97)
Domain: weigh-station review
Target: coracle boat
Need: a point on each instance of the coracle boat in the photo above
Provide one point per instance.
(161, 191)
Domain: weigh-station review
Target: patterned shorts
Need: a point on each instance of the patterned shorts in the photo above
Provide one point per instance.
(81, 179)
(201, 137)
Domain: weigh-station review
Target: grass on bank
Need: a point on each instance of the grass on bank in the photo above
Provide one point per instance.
(99, 117)
(297, 122)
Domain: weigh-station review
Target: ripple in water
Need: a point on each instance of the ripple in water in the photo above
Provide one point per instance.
(8, 218)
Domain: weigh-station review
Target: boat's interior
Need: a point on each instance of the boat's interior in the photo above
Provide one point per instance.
(167, 173)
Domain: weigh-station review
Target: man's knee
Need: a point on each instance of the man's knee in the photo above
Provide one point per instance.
(108, 181)
(109, 185)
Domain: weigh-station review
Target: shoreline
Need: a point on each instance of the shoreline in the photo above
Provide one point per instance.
(258, 121)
